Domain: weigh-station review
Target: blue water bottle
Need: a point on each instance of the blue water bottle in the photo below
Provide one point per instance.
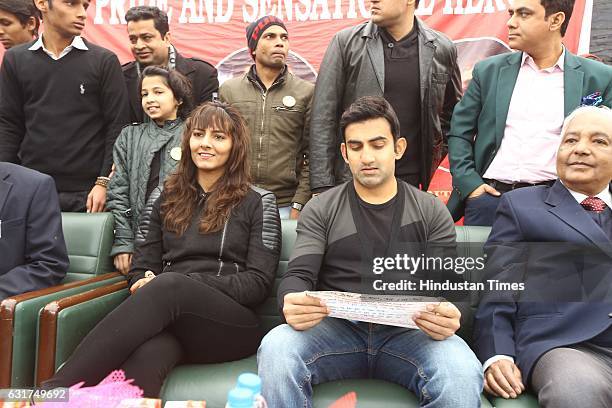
(240, 398)
(252, 382)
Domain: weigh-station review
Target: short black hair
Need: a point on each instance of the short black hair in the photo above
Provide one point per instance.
(177, 82)
(368, 108)
(159, 17)
(23, 10)
(555, 6)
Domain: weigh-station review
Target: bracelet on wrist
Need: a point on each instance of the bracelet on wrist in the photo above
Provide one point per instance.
(102, 181)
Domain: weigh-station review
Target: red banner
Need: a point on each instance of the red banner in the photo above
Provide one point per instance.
(214, 30)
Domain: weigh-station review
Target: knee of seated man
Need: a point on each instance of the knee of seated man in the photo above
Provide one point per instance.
(453, 358)
(280, 346)
(569, 394)
(564, 387)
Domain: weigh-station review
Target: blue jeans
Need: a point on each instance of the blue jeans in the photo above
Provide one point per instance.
(441, 373)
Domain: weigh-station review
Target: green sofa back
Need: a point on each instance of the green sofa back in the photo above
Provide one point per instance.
(89, 238)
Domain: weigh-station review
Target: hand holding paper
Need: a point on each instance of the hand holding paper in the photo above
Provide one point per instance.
(382, 309)
(302, 311)
(440, 321)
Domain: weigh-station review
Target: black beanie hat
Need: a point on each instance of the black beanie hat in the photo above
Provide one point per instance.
(257, 28)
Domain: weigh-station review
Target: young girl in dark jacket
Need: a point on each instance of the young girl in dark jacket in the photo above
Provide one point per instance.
(210, 252)
(145, 154)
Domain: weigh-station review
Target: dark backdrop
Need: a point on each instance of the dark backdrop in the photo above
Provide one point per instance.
(601, 30)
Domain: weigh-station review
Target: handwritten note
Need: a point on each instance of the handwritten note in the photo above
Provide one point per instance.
(390, 310)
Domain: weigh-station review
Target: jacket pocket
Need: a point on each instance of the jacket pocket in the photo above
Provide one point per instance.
(437, 90)
(287, 127)
(9, 224)
(537, 310)
(9, 229)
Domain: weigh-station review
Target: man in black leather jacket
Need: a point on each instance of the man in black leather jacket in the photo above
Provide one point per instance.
(397, 56)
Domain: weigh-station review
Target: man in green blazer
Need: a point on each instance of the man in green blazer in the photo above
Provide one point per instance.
(506, 129)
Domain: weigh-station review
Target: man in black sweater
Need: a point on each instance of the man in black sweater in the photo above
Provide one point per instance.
(62, 105)
(340, 234)
(149, 34)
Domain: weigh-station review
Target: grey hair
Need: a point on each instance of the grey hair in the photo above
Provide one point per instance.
(602, 110)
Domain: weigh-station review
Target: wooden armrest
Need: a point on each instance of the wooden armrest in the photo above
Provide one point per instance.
(48, 326)
(8, 307)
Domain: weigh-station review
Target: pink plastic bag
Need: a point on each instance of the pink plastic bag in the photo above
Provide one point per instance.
(108, 394)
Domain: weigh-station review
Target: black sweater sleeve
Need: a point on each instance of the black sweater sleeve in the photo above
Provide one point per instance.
(114, 104)
(12, 122)
(252, 286)
(307, 256)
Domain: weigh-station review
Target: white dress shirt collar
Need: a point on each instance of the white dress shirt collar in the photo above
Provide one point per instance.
(527, 59)
(77, 42)
(604, 195)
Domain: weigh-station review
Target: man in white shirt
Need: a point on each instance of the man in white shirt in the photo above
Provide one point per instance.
(556, 334)
(506, 129)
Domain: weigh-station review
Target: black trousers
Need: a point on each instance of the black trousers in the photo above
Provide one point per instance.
(172, 319)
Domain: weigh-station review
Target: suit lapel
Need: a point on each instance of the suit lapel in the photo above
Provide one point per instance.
(572, 82)
(376, 53)
(5, 188)
(183, 65)
(505, 86)
(567, 209)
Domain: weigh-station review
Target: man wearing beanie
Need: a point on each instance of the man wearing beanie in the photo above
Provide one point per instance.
(149, 35)
(396, 56)
(276, 105)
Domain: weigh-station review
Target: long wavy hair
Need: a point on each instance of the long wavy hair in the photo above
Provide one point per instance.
(181, 188)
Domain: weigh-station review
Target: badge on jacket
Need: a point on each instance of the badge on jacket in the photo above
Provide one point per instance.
(175, 153)
(289, 101)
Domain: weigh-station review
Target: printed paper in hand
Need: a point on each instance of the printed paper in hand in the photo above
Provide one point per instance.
(381, 309)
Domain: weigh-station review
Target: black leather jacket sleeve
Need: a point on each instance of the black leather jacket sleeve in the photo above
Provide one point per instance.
(326, 109)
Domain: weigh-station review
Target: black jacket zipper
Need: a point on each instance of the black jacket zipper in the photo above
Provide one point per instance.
(221, 248)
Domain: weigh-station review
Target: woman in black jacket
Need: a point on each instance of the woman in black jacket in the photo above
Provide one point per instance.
(210, 252)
